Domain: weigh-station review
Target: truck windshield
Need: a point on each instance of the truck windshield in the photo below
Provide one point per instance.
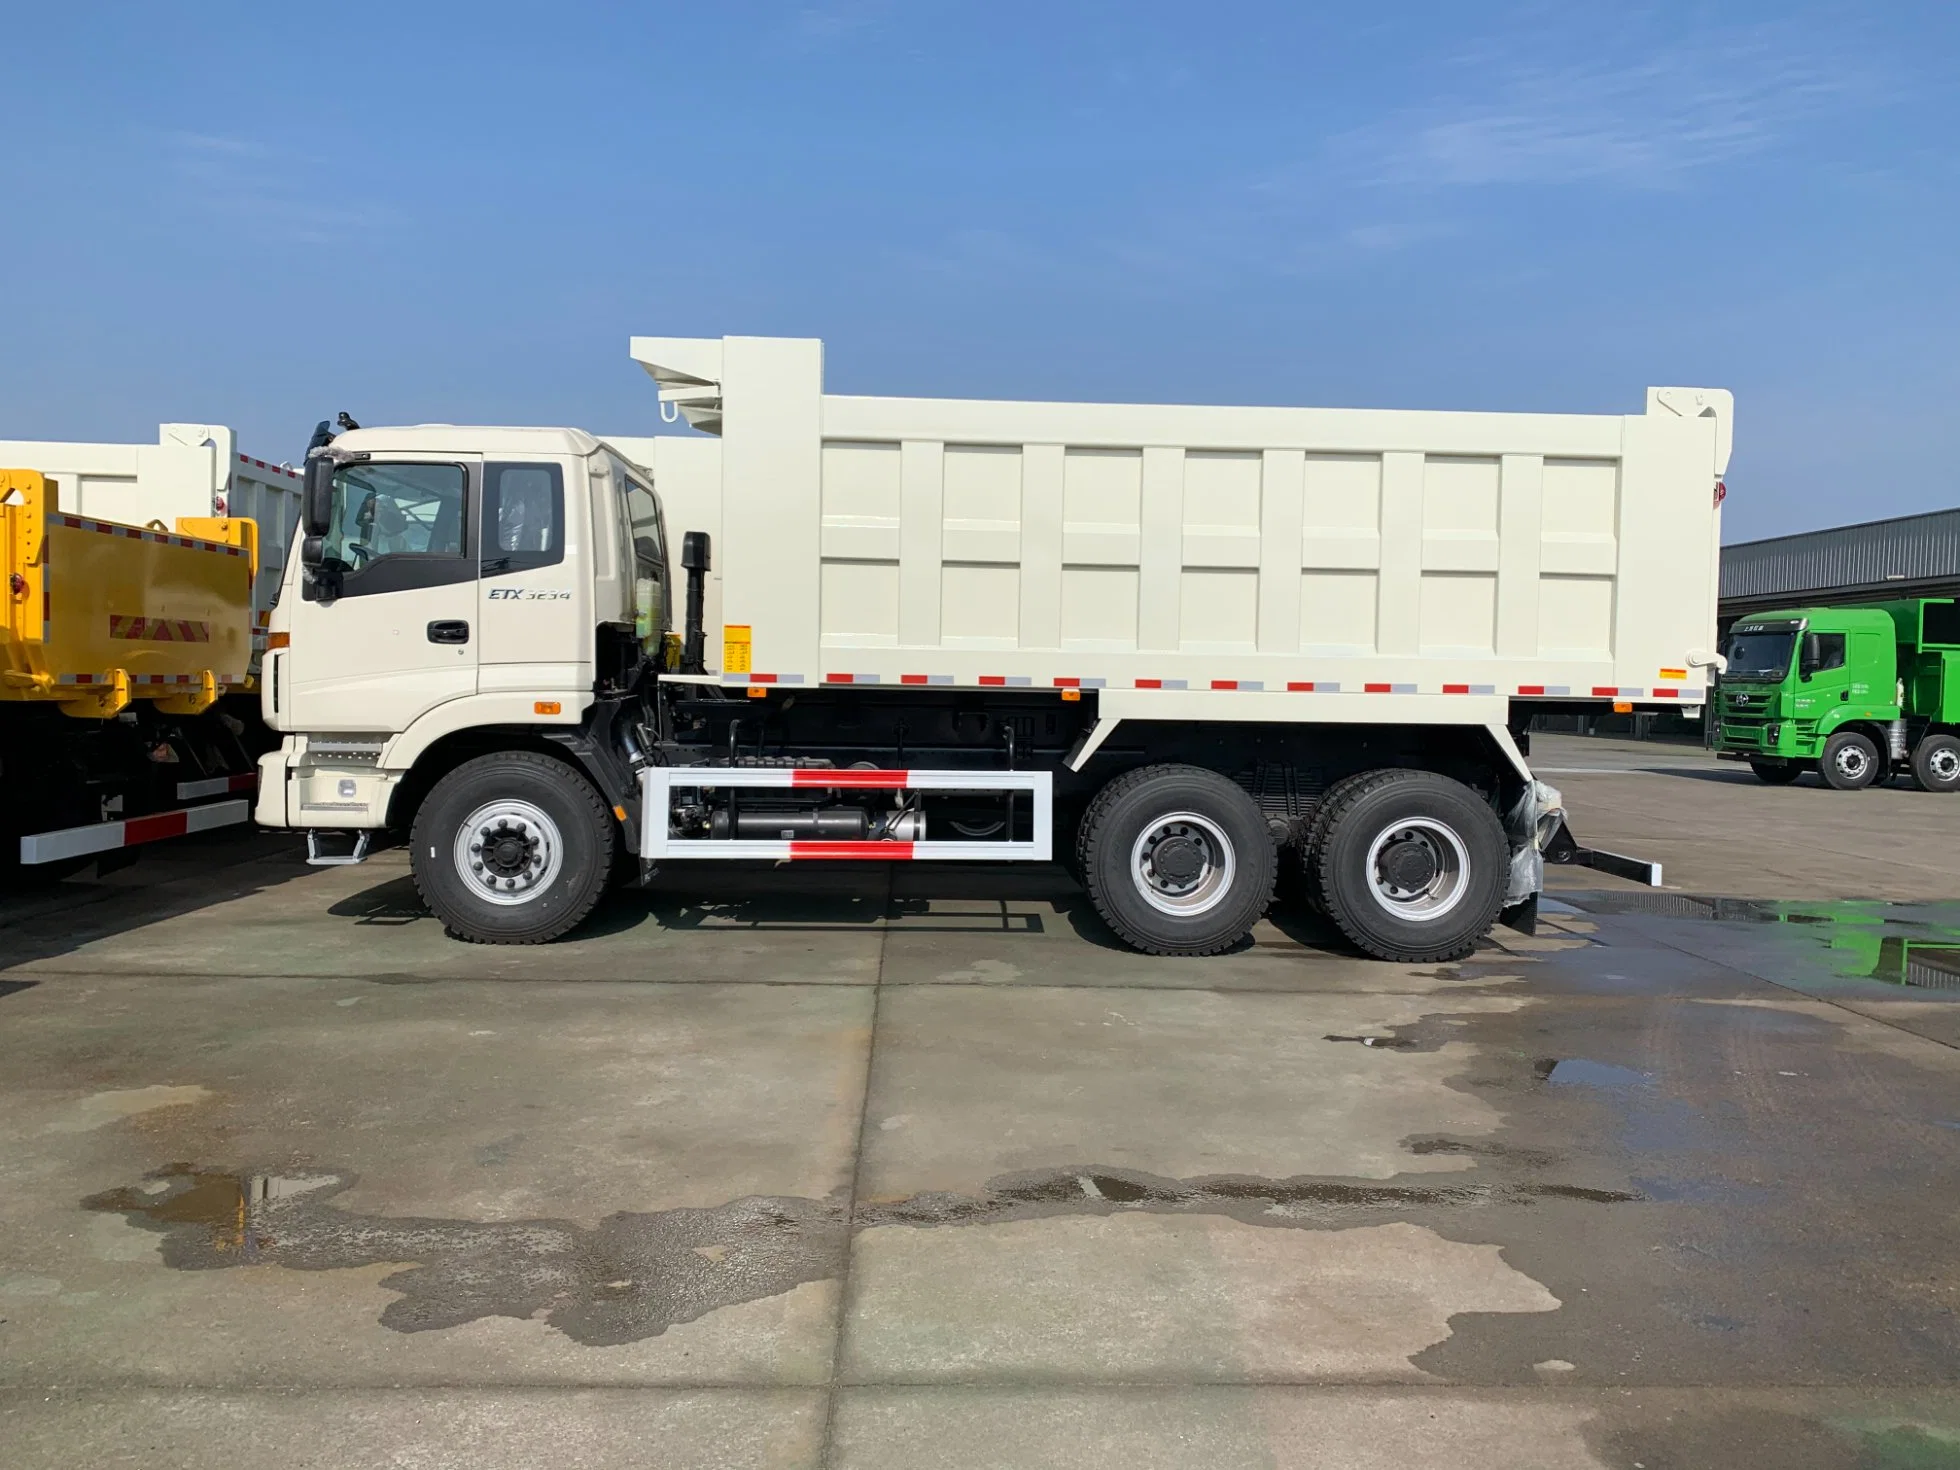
(1754, 655)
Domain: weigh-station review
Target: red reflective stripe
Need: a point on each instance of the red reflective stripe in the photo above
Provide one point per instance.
(1456, 689)
(993, 678)
(877, 852)
(762, 678)
(1224, 683)
(149, 829)
(1150, 683)
(911, 678)
(1298, 686)
(1375, 688)
(1606, 690)
(837, 678)
(1531, 688)
(855, 780)
(1667, 694)
(1068, 683)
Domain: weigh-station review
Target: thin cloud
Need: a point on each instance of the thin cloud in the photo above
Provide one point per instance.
(255, 188)
(1648, 122)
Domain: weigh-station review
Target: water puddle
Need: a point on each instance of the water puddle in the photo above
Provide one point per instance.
(1907, 944)
(1582, 1072)
(634, 1275)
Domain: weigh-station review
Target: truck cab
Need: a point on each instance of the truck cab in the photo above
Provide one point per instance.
(458, 589)
(1838, 691)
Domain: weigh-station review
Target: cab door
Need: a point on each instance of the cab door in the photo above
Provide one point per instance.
(392, 632)
(1823, 679)
(534, 617)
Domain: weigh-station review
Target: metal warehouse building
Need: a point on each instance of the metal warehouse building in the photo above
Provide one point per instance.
(1908, 556)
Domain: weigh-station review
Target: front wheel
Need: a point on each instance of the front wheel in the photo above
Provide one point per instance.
(1936, 763)
(1177, 859)
(512, 848)
(1411, 866)
(1850, 762)
(1776, 773)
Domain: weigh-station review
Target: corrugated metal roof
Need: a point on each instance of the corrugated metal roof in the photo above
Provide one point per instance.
(1921, 548)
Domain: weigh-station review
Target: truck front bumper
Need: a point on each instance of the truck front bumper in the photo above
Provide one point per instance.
(297, 789)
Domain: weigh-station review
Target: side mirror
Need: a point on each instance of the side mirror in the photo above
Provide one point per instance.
(318, 582)
(316, 498)
(696, 551)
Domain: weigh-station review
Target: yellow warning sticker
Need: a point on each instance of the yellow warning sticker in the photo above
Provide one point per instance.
(735, 648)
(1674, 673)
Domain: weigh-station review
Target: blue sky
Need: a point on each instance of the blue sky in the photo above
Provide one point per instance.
(261, 214)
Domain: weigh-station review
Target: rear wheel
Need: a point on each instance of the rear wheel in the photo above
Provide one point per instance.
(1411, 866)
(1177, 859)
(1936, 763)
(512, 848)
(1850, 762)
(1776, 773)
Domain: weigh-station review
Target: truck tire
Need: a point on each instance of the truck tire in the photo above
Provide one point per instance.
(1850, 762)
(1776, 773)
(549, 841)
(1936, 763)
(1411, 866)
(1307, 854)
(1178, 860)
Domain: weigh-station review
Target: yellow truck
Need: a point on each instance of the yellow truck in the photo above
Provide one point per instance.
(126, 669)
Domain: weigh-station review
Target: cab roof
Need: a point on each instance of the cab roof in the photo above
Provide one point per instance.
(1849, 616)
(467, 439)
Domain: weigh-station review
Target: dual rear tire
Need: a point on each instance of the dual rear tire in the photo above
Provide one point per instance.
(1409, 865)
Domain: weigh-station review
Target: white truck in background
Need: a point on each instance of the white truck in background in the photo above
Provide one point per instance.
(1173, 646)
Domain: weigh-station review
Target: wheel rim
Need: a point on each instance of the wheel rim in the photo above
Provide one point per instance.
(1183, 864)
(1418, 869)
(1852, 763)
(508, 852)
(1944, 764)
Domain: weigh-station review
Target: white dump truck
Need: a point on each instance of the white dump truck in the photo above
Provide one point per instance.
(1174, 647)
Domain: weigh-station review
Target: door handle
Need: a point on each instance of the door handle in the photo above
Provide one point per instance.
(449, 630)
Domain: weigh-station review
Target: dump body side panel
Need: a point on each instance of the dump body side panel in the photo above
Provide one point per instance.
(1216, 549)
(164, 608)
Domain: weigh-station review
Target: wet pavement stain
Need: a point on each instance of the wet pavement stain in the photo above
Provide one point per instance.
(630, 1277)
(1906, 944)
(634, 1275)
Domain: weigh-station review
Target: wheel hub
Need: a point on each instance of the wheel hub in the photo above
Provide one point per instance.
(1418, 869)
(1183, 864)
(508, 851)
(1179, 859)
(1409, 863)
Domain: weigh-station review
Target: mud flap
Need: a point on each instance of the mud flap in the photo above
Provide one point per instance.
(1522, 917)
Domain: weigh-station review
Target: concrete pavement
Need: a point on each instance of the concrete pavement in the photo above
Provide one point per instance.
(877, 1168)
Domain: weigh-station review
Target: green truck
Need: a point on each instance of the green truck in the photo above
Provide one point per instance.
(1856, 694)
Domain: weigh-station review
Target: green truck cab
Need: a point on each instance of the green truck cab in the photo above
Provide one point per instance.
(1853, 693)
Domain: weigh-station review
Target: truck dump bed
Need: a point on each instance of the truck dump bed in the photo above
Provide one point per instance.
(192, 470)
(99, 613)
(1319, 564)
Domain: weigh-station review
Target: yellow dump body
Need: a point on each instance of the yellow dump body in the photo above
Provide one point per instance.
(98, 614)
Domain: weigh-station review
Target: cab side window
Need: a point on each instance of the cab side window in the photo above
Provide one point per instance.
(399, 526)
(523, 517)
(1823, 652)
